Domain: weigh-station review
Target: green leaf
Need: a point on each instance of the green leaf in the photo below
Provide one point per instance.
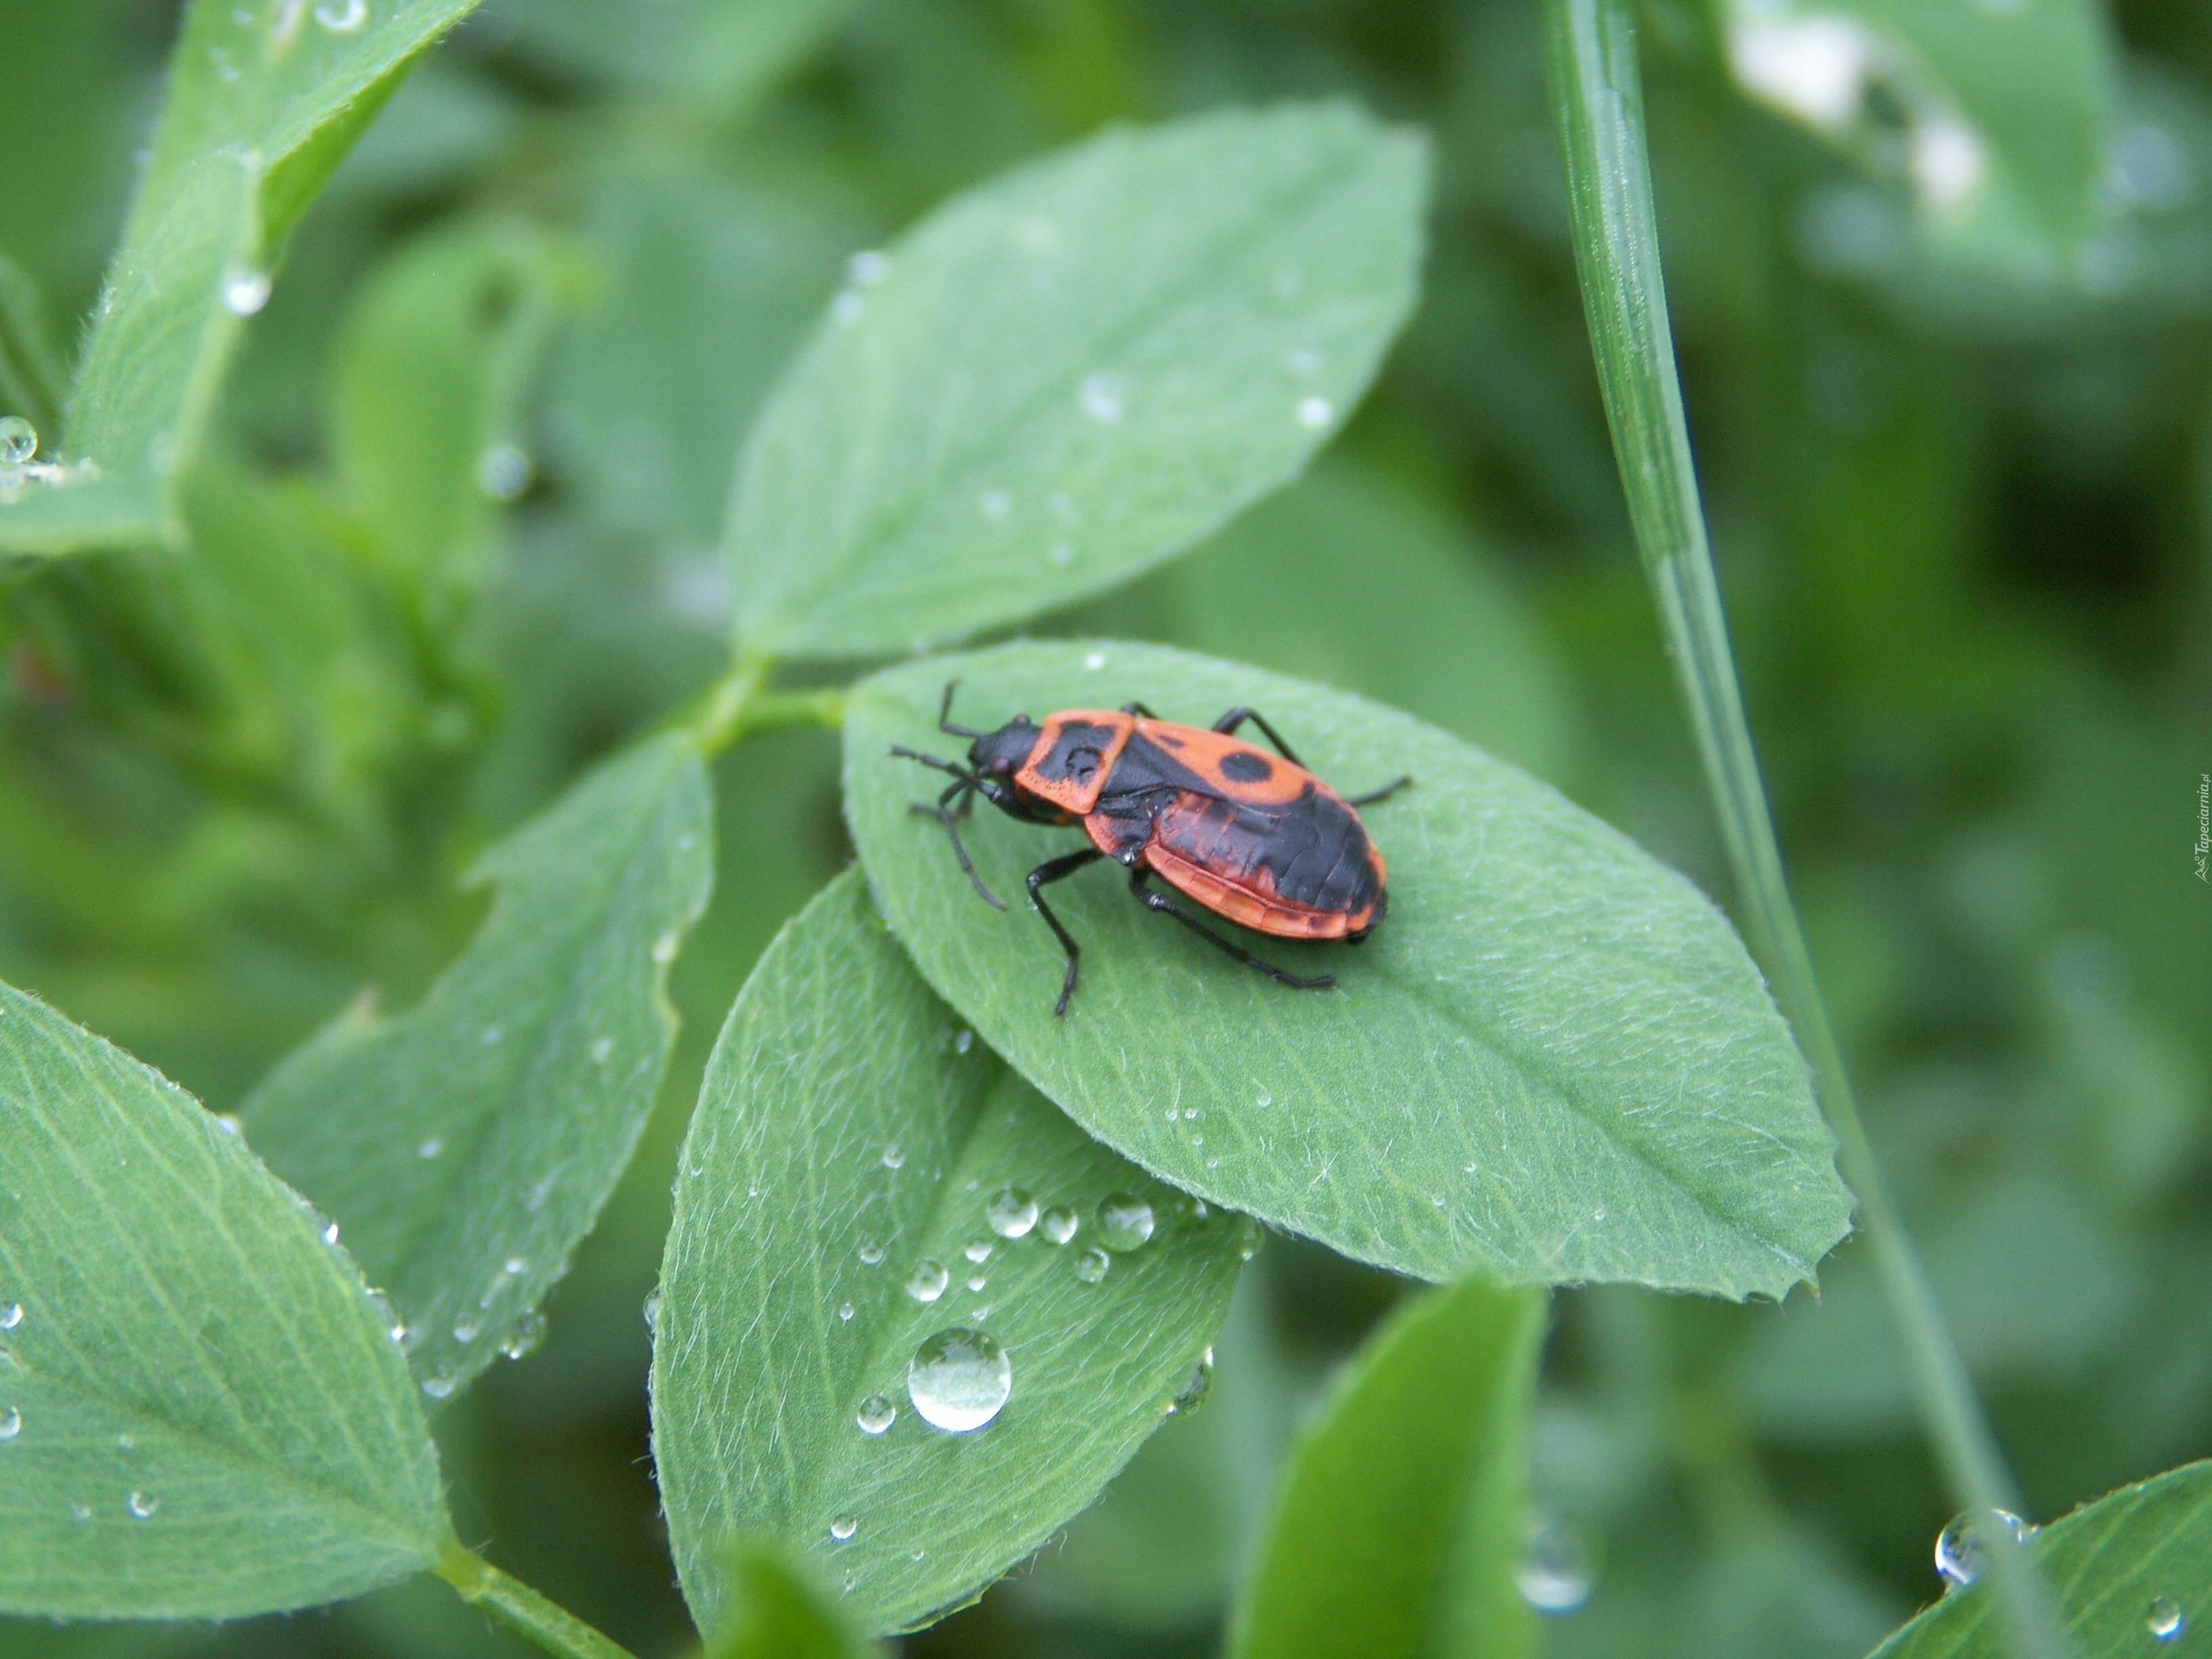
(1995, 119)
(31, 383)
(263, 101)
(202, 1414)
(1071, 373)
(775, 1612)
(2120, 1567)
(426, 390)
(847, 1112)
(1553, 1060)
(1402, 1513)
(717, 56)
(706, 285)
(468, 1145)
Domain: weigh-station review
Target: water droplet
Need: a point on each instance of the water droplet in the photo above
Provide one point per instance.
(438, 1385)
(652, 1308)
(19, 441)
(515, 1264)
(245, 292)
(11, 1423)
(1315, 411)
(1090, 1266)
(845, 1311)
(876, 1414)
(843, 1528)
(430, 1148)
(2165, 1620)
(963, 1041)
(342, 17)
(142, 1505)
(1103, 396)
(464, 1330)
(868, 267)
(528, 1337)
(602, 1049)
(387, 1315)
(995, 504)
(1195, 1390)
(11, 1315)
(872, 1253)
(1962, 1548)
(1094, 661)
(230, 1123)
(894, 1158)
(1012, 1212)
(976, 1281)
(1058, 1225)
(1554, 1573)
(331, 1234)
(977, 1249)
(665, 947)
(1124, 1222)
(126, 1442)
(1264, 1099)
(80, 1512)
(959, 1380)
(848, 307)
(928, 1280)
(504, 472)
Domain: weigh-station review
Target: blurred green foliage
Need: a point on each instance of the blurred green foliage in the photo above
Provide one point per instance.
(1958, 472)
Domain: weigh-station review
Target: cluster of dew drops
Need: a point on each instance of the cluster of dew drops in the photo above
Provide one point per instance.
(1962, 1556)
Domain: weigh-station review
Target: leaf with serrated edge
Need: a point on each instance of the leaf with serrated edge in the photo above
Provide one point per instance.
(263, 101)
(1554, 1059)
(2134, 1556)
(837, 1064)
(1400, 1520)
(467, 1146)
(201, 1414)
(1072, 372)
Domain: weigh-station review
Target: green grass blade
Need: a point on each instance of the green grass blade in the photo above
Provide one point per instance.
(1151, 330)
(468, 1145)
(849, 1130)
(203, 1415)
(1553, 1060)
(263, 101)
(1400, 1522)
(1598, 103)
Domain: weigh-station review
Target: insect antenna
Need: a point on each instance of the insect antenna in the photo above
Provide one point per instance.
(965, 785)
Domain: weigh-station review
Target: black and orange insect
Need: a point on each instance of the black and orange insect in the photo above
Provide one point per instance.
(1256, 839)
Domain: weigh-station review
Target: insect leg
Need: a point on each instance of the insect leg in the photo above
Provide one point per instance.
(1228, 722)
(1167, 906)
(1138, 708)
(1053, 870)
(950, 819)
(1383, 793)
(945, 715)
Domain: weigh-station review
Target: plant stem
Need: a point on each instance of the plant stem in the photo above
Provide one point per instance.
(1598, 103)
(522, 1609)
(738, 705)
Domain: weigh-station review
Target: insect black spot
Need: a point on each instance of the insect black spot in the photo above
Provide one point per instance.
(1075, 754)
(1241, 766)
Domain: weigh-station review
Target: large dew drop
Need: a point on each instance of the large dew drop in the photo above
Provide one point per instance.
(1012, 1212)
(1554, 1573)
(928, 1280)
(1124, 1222)
(1962, 1549)
(959, 1380)
(245, 292)
(2165, 1621)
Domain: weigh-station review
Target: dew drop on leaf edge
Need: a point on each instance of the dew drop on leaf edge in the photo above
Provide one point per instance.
(1961, 1552)
(959, 1379)
(528, 1337)
(19, 441)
